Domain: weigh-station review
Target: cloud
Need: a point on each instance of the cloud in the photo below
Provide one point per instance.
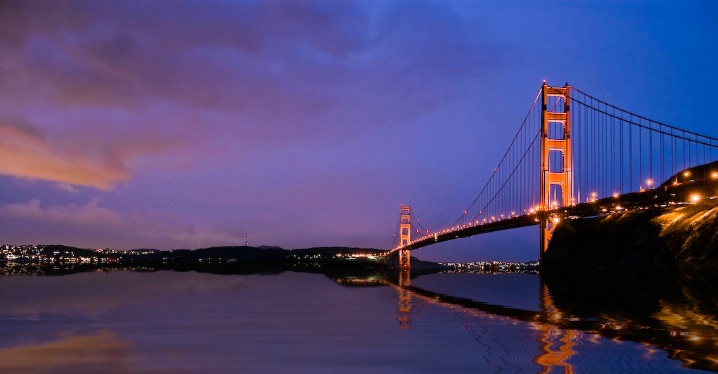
(283, 65)
(111, 83)
(27, 154)
(89, 214)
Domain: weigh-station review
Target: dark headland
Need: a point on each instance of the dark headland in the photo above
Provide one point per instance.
(635, 254)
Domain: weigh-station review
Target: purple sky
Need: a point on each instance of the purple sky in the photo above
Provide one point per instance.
(181, 124)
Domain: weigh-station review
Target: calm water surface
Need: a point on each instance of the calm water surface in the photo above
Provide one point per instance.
(188, 322)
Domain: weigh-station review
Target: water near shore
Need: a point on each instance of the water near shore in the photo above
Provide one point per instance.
(189, 322)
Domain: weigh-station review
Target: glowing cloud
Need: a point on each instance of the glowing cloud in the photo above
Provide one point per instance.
(27, 154)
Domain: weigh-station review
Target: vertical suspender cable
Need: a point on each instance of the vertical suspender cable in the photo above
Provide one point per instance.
(650, 151)
(630, 157)
(620, 126)
(640, 154)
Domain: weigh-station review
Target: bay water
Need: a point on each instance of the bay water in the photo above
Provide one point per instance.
(127, 321)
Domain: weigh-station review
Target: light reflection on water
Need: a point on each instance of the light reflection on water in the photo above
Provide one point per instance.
(188, 322)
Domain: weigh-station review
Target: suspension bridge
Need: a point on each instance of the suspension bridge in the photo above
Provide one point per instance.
(574, 156)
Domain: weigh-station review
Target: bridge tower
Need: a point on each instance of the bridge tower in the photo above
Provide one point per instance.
(404, 235)
(556, 140)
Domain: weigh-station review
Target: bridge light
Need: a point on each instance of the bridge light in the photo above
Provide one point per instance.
(695, 198)
(556, 220)
(714, 175)
(649, 182)
(615, 195)
(687, 173)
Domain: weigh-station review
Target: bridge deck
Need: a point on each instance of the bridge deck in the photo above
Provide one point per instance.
(662, 196)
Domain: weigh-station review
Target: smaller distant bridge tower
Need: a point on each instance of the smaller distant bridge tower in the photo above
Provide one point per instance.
(404, 235)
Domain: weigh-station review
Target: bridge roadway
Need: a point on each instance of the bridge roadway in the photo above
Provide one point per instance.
(660, 197)
(465, 231)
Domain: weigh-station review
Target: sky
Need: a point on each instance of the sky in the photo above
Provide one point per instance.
(186, 124)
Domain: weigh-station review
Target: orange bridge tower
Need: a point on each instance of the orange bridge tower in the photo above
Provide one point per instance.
(555, 172)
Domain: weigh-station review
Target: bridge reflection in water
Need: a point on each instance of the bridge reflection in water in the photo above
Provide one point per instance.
(683, 323)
